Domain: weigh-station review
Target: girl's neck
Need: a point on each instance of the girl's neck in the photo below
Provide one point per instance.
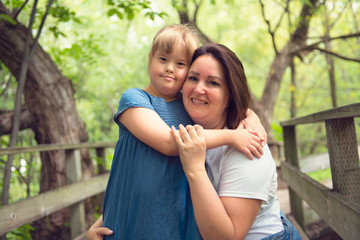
(168, 98)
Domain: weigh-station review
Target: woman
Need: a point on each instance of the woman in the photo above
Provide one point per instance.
(233, 198)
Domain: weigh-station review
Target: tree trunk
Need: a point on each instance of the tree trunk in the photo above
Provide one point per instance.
(330, 61)
(49, 97)
(265, 106)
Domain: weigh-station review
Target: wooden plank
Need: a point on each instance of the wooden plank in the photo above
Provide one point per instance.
(290, 146)
(344, 157)
(352, 110)
(19, 213)
(73, 175)
(291, 155)
(342, 215)
(51, 147)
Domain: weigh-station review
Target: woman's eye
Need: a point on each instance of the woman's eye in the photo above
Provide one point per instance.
(214, 83)
(192, 78)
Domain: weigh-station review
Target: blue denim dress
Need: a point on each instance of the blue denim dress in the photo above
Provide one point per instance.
(147, 196)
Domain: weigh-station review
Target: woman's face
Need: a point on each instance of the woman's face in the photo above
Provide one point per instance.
(205, 93)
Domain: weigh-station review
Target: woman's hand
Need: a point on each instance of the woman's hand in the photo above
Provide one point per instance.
(97, 232)
(192, 147)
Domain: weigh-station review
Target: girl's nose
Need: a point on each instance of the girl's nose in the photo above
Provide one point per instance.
(169, 68)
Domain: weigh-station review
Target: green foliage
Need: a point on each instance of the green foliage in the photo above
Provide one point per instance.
(7, 18)
(130, 8)
(13, 3)
(59, 14)
(22, 232)
(320, 175)
(277, 132)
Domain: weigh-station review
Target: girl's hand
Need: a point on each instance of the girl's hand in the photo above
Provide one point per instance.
(97, 232)
(248, 143)
(192, 147)
(253, 124)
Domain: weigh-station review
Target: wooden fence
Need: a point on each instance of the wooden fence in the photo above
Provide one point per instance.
(340, 206)
(72, 195)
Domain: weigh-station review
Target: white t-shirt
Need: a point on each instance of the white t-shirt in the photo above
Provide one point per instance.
(235, 175)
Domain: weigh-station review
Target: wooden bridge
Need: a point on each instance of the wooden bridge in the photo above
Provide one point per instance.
(339, 206)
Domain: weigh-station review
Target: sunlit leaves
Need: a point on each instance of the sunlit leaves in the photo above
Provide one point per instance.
(152, 15)
(129, 9)
(7, 18)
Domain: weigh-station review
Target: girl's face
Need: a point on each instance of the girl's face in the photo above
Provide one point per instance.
(205, 93)
(167, 73)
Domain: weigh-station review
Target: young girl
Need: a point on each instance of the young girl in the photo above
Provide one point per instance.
(147, 196)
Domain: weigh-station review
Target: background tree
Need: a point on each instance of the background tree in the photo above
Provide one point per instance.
(50, 104)
(49, 98)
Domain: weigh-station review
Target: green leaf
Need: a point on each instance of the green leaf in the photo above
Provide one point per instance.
(8, 19)
(114, 11)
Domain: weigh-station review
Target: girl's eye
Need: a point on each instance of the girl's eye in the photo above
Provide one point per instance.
(162, 59)
(192, 78)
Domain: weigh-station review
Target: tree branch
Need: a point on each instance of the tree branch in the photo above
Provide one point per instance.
(337, 55)
(40, 28)
(324, 39)
(20, 9)
(272, 33)
(6, 120)
(197, 6)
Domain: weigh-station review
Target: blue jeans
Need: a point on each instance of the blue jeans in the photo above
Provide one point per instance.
(289, 232)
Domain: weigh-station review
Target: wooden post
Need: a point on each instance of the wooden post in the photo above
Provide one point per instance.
(344, 157)
(291, 155)
(73, 175)
(100, 155)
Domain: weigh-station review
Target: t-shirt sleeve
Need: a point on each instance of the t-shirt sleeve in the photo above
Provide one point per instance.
(245, 178)
(133, 97)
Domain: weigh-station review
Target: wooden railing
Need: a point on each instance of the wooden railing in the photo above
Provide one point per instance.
(338, 207)
(72, 195)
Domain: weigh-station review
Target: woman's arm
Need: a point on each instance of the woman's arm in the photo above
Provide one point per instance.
(217, 218)
(97, 232)
(148, 127)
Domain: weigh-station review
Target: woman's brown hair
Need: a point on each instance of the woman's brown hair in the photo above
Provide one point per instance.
(240, 98)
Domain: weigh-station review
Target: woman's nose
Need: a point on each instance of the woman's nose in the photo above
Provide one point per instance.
(199, 88)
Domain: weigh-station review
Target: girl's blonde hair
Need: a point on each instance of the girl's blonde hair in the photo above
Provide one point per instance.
(168, 36)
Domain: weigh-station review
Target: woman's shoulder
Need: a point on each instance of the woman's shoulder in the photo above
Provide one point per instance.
(234, 154)
(243, 177)
(236, 161)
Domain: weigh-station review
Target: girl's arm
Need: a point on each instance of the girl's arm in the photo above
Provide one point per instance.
(97, 232)
(148, 127)
(216, 218)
